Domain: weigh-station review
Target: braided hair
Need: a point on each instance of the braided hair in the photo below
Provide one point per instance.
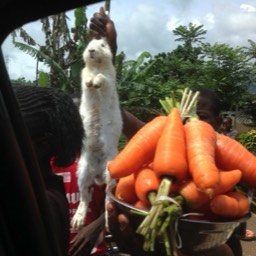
(51, 116)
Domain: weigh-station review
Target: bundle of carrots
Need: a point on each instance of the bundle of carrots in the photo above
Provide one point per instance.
(170, 167)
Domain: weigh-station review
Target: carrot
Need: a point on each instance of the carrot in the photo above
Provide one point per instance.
(139, 204)
(195, 198)
(125, 189)
(170, 156)
(201, 144)
(230, 154)
(139, 150)
(177, 185)
(243, 202)
(231, 205)
(169, 164)
(146, 182)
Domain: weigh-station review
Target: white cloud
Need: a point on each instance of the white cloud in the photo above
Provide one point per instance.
(173, 23)
(248, 8)
(147, 25)
(196, 22)
(210, 18)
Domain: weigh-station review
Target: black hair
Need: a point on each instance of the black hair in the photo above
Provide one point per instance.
(228, 119)
(211, 97)
(50, 115)
(76, 97)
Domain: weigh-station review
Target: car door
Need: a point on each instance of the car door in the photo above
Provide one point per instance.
(25, 223)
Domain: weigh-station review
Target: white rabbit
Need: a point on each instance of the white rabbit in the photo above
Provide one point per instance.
(102, 120)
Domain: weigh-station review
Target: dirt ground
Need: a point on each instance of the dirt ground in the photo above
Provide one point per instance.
(242, 128)
(249, 247)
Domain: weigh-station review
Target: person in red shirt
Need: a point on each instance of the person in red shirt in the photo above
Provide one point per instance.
(94, 209)
(90, 232)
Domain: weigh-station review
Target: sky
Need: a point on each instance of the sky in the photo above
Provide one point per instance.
(147, 25)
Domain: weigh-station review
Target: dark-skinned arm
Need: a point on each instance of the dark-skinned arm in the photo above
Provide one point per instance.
(102, 26)
(87, 236)
(131, 124)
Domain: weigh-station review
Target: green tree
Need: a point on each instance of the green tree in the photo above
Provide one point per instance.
(227, 71)
(223, 68)
(22, 81)
(137, 89)
(62, 51)
(189, 35)
(251, 50)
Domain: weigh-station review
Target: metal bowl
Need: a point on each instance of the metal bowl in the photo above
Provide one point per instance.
(198, 235)
(191, 236)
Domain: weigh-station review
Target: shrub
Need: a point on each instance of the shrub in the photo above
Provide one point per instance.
(248, 139)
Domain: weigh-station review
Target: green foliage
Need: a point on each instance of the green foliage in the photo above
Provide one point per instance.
(226, 67)
(249, 108)
(43, 79)
(137, 89)
(33, 52)
(22, 81)
(248, 140)
(190, 34)
(220, 67)
(122, 142)
(62, 51)
(229, 71)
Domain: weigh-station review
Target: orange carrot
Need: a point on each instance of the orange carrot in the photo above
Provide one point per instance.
(177, 185)
(231, 205)
(201, 144)
(170, 164)
(139, 151)
(141, 205)
(146, 181)
(195, 198)
(125, 189)
(170, 157)
(230, 154)
(243, 202)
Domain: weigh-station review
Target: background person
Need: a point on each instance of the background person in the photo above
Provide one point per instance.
(89, 240)
(56, 132)
(207, 110)
(227, 128)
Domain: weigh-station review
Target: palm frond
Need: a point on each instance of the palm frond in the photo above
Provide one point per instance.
(46, 59)
(33, 52)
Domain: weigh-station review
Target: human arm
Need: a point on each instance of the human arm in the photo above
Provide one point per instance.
(85, 240)
(124, 233)
(58, 209)
(120, 229)
(128, 241)
(131, 124)
(102, 26)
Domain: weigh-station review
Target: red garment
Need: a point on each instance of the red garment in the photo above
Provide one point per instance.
(95, 207)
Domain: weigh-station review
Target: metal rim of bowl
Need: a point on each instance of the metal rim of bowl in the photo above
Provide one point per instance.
(131, 207)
